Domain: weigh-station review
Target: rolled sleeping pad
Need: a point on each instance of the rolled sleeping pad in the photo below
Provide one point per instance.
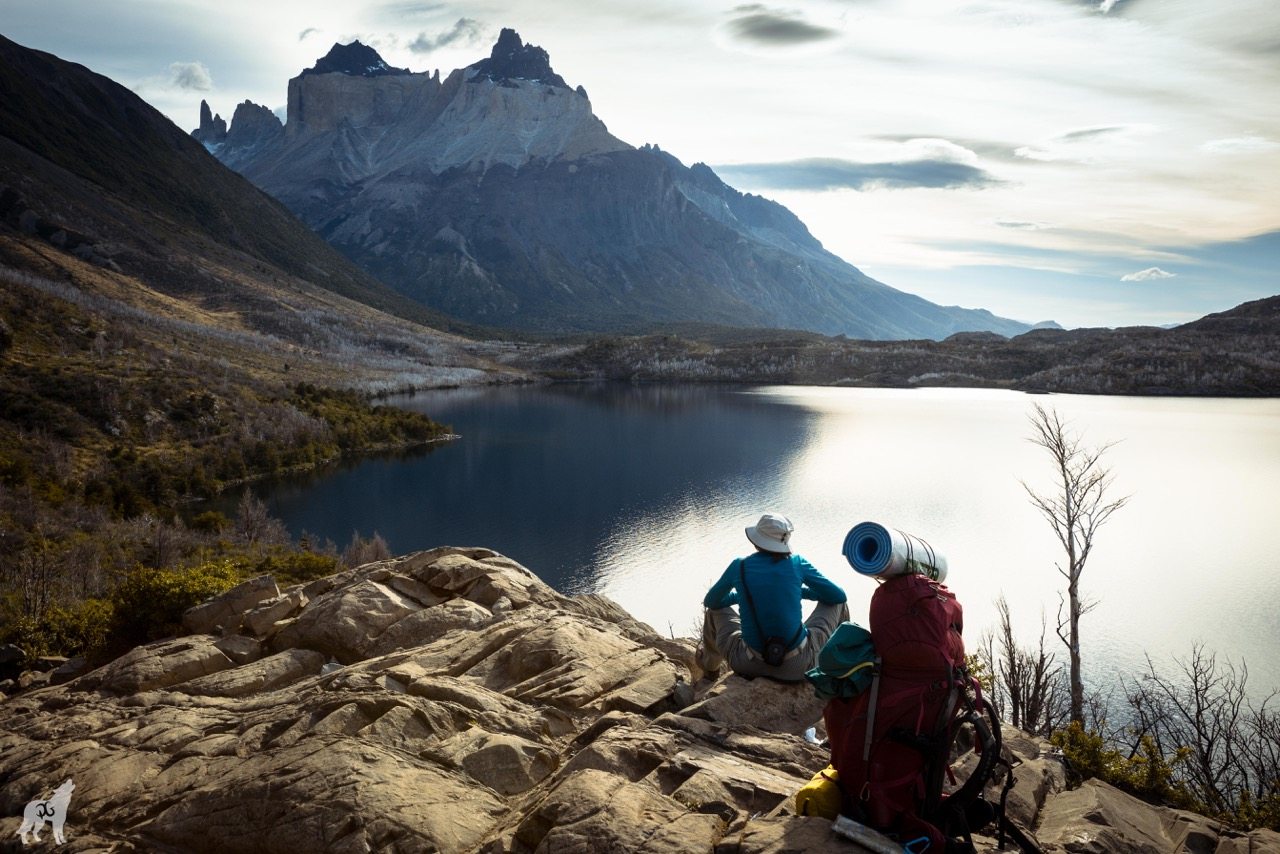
(873, 549)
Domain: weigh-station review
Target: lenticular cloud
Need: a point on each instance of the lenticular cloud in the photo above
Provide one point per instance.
(1147, 275)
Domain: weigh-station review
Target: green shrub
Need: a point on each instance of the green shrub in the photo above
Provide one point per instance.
(1147, 773)
(209, 522)
(1259, 812)
(149, 603)
(79, 629)
(294, 567)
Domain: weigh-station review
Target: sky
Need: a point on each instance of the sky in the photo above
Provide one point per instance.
(1091, 162)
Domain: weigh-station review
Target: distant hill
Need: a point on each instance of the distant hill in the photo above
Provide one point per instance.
(497, 196)
(1231, 353)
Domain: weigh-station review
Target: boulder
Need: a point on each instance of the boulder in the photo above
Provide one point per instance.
(791, 834)
(760, 703)
(224, 612)
(261, 620)
(508, 764)
(329, 793)
(428, 624)
(267, 674)
(345, 622)
(157, 665)
(69, 669)
(592, 811)
(1100, 818)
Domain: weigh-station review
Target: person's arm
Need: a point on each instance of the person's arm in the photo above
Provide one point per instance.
(816, 586)
(722, 594)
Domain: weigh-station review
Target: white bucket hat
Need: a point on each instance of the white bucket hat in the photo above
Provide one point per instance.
(771, 533)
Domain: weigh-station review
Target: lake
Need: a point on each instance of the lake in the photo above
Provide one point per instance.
(642, 493)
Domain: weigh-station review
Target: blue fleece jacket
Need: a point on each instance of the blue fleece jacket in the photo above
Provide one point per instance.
(777, 584)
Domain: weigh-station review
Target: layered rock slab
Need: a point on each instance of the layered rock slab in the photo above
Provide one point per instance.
(450, 701)
(412, 704)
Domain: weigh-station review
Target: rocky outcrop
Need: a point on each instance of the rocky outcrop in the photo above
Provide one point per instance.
(254, 129)
(212, 130)
(450, 701)
(512, 59)
(355, 59)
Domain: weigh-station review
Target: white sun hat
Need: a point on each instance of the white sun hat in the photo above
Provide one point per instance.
(771, 533)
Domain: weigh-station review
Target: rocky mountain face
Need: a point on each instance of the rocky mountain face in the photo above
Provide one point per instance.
(496, 194)
(450, 701)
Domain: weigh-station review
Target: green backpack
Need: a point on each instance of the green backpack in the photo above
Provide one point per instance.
(845, 664)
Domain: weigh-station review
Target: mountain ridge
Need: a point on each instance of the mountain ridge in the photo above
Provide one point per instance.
(400, 174)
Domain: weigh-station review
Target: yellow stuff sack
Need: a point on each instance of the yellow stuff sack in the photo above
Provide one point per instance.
(820, 796)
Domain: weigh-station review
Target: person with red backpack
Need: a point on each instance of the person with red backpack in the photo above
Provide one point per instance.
(767, 635)
(894, 738)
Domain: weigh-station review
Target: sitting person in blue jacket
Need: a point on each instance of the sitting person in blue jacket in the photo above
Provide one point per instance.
(767, 587)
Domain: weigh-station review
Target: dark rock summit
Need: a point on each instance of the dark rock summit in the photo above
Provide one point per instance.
(355, 59)
(511, 59)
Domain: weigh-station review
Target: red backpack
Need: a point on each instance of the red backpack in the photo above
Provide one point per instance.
(891, 744)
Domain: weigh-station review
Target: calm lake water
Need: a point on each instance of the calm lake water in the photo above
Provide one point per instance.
(642, 493)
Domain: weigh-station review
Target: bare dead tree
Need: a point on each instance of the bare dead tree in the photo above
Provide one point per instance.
(254, 524)
(36, 573)
(361, 551)
(1262, 749)
(1026, 683)
(1228, 745)
(1079, 507)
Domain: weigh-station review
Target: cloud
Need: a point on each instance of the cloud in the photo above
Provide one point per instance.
(1086, 145)
(1240, 145)
(823, 173)
(933, 148)
(302, 36)
(1147, 275)
(775, 27)
(467, 31)
(411, 8)
(1107, 5)
(190, 75)
(1091, 133)
(986, 148)
(1018, 225)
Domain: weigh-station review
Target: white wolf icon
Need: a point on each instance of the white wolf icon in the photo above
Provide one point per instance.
(52, 810)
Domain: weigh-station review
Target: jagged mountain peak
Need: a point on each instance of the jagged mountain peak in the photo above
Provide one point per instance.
(213, 128)
(514, 206)
(355, 59)
(512, 59)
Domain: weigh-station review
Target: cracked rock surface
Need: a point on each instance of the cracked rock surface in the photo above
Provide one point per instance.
(450, 701)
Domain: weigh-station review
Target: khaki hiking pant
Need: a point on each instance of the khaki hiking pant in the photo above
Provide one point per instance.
(722, 641)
